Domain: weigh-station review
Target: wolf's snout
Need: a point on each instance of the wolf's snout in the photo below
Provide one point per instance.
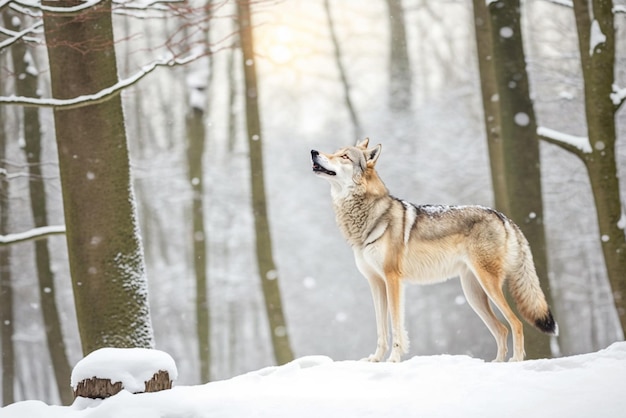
(317, 167)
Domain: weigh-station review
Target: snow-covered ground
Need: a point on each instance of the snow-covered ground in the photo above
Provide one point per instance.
(589, 385)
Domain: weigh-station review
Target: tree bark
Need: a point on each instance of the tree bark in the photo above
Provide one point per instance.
(6, 286)
(195, 153)
(491, 110)
(400, 76)
(26, 85)
(354, 118)
(105, 251)
(596, 38)
(520, 146)
(97, 388)
(265, 259)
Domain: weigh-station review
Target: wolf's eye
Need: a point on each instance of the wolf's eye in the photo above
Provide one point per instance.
(345, 157)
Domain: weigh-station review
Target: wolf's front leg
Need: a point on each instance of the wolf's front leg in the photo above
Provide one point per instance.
(379, 296)
(399, 336)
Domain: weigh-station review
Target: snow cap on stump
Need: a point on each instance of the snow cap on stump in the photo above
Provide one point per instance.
(107, 371)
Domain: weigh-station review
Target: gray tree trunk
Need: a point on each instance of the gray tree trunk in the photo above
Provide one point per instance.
(6, 286)
(491, 109)
(265, 259)
(354, 118)
(598, 66)
(520, 147)
(195, 153)
(105, 251)
(400, 76)
(26, 85)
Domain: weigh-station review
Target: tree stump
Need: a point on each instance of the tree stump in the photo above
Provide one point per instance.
(107, 371)
(97, 388)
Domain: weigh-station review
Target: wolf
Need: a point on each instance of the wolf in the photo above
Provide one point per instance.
(395, 241)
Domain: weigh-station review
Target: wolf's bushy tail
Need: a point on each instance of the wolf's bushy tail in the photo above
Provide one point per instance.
(525, 289)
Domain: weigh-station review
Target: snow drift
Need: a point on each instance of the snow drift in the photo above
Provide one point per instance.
(442, 386)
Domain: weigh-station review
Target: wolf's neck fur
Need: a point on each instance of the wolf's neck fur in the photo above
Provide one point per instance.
(358, 209)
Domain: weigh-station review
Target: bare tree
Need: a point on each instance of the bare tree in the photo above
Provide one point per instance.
(6, 286)
(26, 79)
(491, 110)
(105, 251)
(596, 39)
(198, 86)
(400, 76)
(354, 118)
(519, 146)
(265, 259)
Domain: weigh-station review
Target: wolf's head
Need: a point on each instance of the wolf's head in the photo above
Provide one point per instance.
(347, 168)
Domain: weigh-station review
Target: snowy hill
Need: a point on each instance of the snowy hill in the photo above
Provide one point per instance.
(589, 385)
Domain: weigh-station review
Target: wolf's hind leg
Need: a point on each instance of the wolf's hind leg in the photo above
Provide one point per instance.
(492, 285)
(478, 300)
(379, 296)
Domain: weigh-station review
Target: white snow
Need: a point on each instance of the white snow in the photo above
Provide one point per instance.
(521, 119)
(103, 94)
(589, 385)
(32, 234)
(131, 366)
(621, 224)
(506, 32)
(596, 36)
(618, 95)
(580, 142)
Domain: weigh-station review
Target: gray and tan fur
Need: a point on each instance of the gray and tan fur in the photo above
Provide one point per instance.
(395, 241)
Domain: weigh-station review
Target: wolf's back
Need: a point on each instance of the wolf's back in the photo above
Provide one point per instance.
(524, 285)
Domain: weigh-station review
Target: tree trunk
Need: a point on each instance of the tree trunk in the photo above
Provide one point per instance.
(400, 77)
(520, 146)
(265, 259)
(596, 38)
(105, 251)
(97, 388)
(26, 85)
(195, 153)
(356, 124)
(6, 286)
(491, 109)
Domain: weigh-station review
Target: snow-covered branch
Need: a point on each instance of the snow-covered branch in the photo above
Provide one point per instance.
(619, 8)
(33, 234)
(104, 94)
(34, 8)
(618, 97)
(577, 145)
(16, 36)
(36, 4)
(566, 3)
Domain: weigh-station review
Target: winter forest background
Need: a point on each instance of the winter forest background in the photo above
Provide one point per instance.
(322, 83)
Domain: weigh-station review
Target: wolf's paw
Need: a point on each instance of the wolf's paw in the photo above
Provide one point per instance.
(372, 358)
(395, 357)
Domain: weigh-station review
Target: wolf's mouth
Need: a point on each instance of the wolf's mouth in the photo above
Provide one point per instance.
(318, 168)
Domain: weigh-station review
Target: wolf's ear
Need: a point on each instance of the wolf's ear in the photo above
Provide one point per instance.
(372, 154)
(363, 144)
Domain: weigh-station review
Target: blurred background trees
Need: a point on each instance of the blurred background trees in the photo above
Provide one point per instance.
(318, 86)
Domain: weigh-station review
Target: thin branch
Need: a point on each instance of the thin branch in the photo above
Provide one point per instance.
(16, 36)
(564, 3)
(577, 145)
(33, 234)
(53, 9)
(104, 94)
